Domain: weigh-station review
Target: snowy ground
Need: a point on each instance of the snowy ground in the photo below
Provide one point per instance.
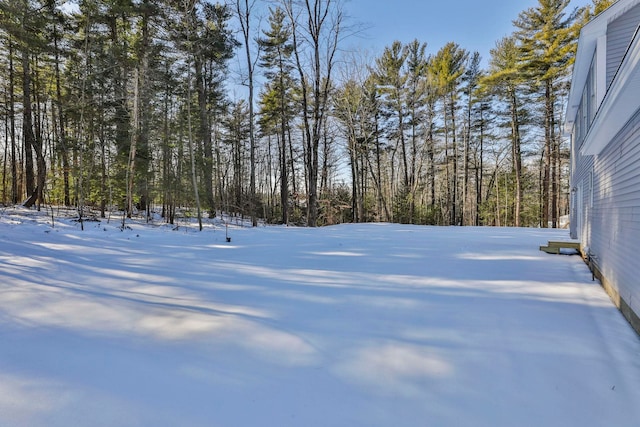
(352, 325)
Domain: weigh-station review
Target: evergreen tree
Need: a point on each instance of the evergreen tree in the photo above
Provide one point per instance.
(547, 36)
(599, 6)
(355, 110)
(201, 31)
(506, 83)
(416, 103)
(124, 100)
(391, 78)
(237, 129)
(448, 67)
(23, 21)
(62, 149)
(277, 51)
(472, 78)
(432, 95)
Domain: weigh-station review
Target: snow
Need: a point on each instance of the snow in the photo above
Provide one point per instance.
(350, 325)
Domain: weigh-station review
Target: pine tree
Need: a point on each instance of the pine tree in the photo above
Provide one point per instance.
(201, 32)
(10, 120)
(277, 51)
(506, 83)
(416, 103)
(391, 78)
(24, 21)
(471, 78)
(547, 36)
(355, 109)
(448, 67)
(238, 131)
(600, 6)
(58, 29)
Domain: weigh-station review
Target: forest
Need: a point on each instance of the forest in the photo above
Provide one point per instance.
(133, 106)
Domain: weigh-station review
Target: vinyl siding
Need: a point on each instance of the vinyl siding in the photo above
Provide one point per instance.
(619, 34)
(584, 180)
(615, 216)
(587, 110)
(581, 177)
(582, 166)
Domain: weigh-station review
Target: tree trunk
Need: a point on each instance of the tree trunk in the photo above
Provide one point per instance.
(546, 175)
(194, 180)
(205, 134)
(103, 175)
(447, 162)
(134, 145)
(245, 21)
(432, 166)
(62, 143)
(355, 179)
(284, 179)
(555, 170)
(454, 143)
(480, 169)
(316, 16)
(465, 182)
(28, 136)
(15, 196)
(516, 156)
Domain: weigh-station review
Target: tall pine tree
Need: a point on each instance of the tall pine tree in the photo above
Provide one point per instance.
(277, 51)
(547, 36)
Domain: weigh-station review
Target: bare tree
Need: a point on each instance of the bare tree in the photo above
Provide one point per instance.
(317, 27)
(244, 10)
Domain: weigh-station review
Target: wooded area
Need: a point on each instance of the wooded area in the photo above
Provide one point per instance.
(130, 105)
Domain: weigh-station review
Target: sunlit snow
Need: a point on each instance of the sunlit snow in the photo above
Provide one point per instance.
(350, 325)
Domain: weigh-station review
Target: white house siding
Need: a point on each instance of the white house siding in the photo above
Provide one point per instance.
(605, 163)
(581, 178)
(619, 34)
(582, 165)
(614, 237)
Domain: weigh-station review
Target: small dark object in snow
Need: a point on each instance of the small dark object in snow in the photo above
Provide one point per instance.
(613, 388)
(228, 239)
(86, 219)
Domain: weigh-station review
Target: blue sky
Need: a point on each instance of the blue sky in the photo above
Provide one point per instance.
(474, 24)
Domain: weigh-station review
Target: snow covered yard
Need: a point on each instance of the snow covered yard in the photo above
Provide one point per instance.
(352, 325)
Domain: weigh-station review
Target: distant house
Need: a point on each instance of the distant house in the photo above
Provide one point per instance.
(603, 119)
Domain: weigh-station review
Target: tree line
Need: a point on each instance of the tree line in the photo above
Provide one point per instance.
(132, 105)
